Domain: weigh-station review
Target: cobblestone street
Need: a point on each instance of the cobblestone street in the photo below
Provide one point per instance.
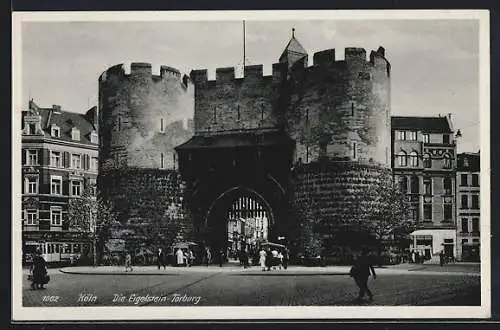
(232, 286)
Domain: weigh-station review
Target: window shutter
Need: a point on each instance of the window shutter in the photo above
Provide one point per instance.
(66, 159)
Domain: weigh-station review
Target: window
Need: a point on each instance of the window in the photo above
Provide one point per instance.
(428, 186)
(446, 139)
(448, 212)
(475, 201)
(427, 161)
(475, 225)
(447, 186)
(55, 159)
(414, 212)
(162, 161)
(464, 202)
(401, 135)
(32, 157)
(446, 161)
(427, 212)
(31, 217)
(465, 241)
(414, 159)
(401, 158)
(426, 138)
(31, 186)
(55, 216)
(354, 147)
(55, 185)
(76, 161)
(119, 123)
(352, 109)
(93, 186)
(31, 129)
(475, 180)
(55, 131)
(75, 134)
(162, 125)
(94, 163)
(465, 225)
(466, 162)
(403, 184)
(412, 136)
(94, 138)
(463, 180)
(76, 188)
(414, 185)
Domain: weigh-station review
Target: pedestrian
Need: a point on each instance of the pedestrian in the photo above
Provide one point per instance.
(262, 259)
(128, 262)
(286, 257)
(441, 258)
(39, 275)
(280, 258)
(360, 272)
(221, 257)
(413, 257)
(208, 255)
(269, 259)
(180, 257)
(160, 258)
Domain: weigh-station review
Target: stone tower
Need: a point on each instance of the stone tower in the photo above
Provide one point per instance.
(142, 117)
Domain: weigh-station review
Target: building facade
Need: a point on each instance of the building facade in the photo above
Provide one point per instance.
(468, 207)
(59, 161)
(424, 166)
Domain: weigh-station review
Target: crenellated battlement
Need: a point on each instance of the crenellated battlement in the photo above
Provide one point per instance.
(143, 71)
(352, 55)
(228, 74)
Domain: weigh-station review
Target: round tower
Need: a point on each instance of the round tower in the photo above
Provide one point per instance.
(338, 113)
(142, 117)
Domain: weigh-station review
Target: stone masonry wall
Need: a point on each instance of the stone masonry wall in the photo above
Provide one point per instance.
(338, 106)
(322, 194)
(143, 116)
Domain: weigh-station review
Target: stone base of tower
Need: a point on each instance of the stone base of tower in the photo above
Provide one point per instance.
(149, 205)
(322, 203)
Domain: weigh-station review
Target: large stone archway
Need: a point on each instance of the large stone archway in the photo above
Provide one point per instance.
(217, 171)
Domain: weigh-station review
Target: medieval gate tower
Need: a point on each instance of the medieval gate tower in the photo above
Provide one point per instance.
(301, 142)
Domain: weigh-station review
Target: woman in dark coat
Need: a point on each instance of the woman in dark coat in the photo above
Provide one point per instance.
(39, 271)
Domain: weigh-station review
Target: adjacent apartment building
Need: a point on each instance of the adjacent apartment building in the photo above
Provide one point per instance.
(468, 207)
(424, 163)
(59, 161)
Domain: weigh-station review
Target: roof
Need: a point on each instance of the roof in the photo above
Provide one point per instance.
(236, 140)
(293, 46)
(425, 124)
(472, 164)
(65, 120)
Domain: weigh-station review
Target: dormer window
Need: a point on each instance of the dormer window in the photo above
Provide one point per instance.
(55, 131)
(31, 129)
(75, 134)
(94, 137)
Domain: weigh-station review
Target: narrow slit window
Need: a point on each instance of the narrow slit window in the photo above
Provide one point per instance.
(352, 109)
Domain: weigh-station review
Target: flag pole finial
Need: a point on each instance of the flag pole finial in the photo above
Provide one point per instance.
(293, 32)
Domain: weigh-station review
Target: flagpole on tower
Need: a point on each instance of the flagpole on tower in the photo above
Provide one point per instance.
(244, 46)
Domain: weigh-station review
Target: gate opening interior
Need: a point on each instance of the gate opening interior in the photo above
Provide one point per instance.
(239, 220)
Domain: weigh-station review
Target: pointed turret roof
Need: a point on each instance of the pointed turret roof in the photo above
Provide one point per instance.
(293, 47)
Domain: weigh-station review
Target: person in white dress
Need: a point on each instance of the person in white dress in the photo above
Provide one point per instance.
(180, 257)
(262, 259)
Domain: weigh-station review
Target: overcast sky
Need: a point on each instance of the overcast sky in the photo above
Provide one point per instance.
(435, 63)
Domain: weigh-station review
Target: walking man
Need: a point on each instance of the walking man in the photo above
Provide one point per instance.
(128, 262)
(361, 272)
(160, 258)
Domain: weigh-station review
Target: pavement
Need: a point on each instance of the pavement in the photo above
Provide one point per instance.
(410, 285)
(402, 269)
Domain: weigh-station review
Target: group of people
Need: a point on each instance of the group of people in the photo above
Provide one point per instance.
(273, 259)
(184, 258)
